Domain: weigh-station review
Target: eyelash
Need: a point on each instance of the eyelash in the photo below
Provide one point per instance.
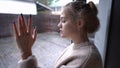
(63, 21)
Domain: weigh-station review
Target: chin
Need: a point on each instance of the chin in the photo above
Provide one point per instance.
(63, 36)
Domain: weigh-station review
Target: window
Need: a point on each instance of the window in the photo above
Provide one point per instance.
(48, 43)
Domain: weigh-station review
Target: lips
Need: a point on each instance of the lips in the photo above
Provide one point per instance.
(60, 30)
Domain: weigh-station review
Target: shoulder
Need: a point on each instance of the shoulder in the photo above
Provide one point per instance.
(89, 56)
(85, 52)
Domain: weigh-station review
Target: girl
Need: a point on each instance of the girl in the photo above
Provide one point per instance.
(77, 20)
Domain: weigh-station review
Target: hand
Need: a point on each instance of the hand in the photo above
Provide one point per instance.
(25, 37)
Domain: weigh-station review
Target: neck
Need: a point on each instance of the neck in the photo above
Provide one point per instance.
(80, 38)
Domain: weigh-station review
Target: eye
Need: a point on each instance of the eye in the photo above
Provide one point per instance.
(63, 21)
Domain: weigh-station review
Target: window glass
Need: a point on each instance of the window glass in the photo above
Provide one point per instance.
(48, 45)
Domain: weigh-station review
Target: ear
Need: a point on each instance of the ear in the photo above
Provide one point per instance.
(80, 23)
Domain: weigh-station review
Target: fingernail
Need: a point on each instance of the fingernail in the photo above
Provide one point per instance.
(21, 14)
(13, 24)
(34, 27)
(30, 16)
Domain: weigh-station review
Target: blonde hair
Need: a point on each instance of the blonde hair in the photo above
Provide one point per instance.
(88, 12)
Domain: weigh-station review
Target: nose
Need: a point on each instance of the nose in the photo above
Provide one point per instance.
(59, 25)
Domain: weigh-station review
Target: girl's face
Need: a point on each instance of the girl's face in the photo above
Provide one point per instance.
(68, 27)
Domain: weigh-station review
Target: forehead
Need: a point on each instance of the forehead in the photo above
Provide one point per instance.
(66, 12)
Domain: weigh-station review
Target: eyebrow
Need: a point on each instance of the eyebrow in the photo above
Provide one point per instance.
(62, 18)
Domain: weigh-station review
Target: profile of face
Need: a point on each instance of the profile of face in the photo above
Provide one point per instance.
(67, 25)
(78, 19)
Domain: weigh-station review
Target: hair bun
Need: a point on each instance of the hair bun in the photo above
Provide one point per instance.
(84, 1)
(93, 7)
(81, 0)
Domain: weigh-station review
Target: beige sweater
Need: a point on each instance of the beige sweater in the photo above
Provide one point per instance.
(84, 55)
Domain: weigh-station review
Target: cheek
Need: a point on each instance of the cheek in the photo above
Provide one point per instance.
(69, 29)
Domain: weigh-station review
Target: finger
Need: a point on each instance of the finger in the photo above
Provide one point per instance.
(23, 23)
(30, 25)
(34, 34)
(15, 29)
(21, 27)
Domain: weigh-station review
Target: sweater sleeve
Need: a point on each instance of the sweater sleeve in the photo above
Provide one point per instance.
(30, 62)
